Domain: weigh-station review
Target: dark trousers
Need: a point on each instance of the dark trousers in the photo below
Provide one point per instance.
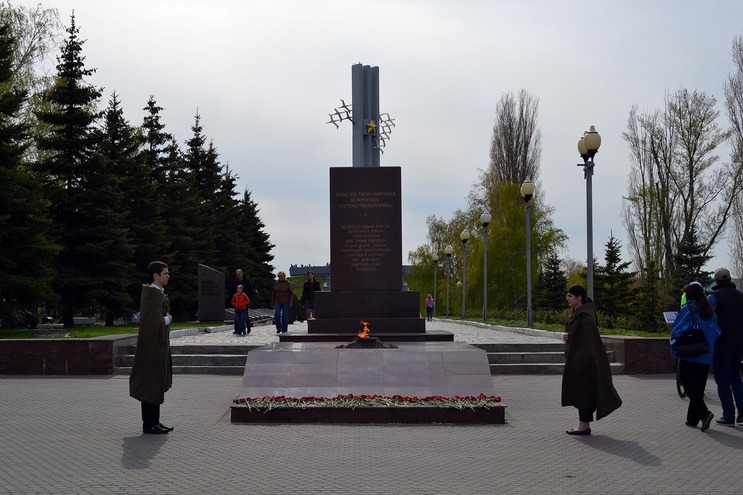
(240, 320)
(585, 415)
(281, 316)
(694, 379)
(726, 369)
(150, 415)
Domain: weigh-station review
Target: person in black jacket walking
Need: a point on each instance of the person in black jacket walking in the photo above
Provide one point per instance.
(728, 304)
(308, 295)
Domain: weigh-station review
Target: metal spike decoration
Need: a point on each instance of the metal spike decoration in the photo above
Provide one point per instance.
(386, 123)
(345, 112)
(340, 114)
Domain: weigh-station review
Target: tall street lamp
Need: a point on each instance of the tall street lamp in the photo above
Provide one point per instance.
(485, 221)
(588, 146)
(527, 192)
(448, 250)
(435, 286)
(465, 236)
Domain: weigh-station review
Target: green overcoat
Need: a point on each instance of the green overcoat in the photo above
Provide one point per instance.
(152, 371)
(586, 380)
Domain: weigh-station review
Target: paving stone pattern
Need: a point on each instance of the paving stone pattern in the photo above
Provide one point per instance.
(82, 435)
(469, 332)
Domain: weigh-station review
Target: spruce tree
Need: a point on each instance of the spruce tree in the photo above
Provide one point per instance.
(154, 160)
(188, 210)
(689, 261)
(613, 284)
(25, 248)
(256, 254)
(71, 178)
(181, 210)
(552, 284)
(228, 238)
(121, 200)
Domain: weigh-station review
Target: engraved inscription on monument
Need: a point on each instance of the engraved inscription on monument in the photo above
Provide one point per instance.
(365, 228)
(366, 243)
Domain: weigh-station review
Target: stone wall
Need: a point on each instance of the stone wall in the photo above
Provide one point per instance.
(61, 356)
(641, 355)
(98, 356)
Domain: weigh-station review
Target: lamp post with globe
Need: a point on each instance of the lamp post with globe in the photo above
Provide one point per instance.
(485, 221)
(435, 285)
(465, 236)
(527, 192)
(448, 250)
(588, 146)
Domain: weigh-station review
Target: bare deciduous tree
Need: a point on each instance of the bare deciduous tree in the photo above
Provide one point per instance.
(643, 207)
(701, 182)
(734, 106)
(38, 31)
(516, 145)
(677, 183)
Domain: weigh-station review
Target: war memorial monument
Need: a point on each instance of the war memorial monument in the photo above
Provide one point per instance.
(393, 355)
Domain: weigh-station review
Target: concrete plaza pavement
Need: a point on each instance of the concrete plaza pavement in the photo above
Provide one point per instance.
(82, 435)
(470, 332)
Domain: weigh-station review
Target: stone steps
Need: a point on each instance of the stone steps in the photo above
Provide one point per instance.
(504, 359)
(541, 369)
(199, 360)
(533, 359)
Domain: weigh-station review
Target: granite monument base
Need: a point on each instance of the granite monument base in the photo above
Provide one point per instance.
(386, 312)
(414, 369)
(428, 336)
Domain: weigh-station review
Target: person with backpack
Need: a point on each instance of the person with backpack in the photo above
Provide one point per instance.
(694, 369)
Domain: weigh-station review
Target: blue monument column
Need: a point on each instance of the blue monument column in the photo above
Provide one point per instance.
(365, 104)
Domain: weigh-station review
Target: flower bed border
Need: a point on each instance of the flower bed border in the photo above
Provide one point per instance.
(402, 414)
(369, 409)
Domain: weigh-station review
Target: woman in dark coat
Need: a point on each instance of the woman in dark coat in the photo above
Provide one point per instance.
(586, 379)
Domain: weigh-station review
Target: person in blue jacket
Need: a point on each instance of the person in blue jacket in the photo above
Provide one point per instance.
(695, 369)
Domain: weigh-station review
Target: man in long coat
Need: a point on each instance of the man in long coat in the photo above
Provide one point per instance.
(152, 373)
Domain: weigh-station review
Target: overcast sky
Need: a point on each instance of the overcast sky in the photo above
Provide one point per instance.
(263, 75)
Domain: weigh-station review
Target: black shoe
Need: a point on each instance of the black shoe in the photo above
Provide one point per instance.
(706, 421)
(722, 422)
(157, 430)
(572, 431)
(690, 425)
(739, 420)
(248, 330)
(169, 428)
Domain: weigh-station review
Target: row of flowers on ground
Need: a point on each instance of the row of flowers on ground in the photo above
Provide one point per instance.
(356, 401)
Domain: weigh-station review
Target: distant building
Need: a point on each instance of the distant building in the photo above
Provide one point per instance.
(301, 270)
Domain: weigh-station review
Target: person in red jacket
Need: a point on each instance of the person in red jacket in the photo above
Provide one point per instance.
(240, 302)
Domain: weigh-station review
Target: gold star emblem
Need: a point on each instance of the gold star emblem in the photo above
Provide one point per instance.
(371, 127)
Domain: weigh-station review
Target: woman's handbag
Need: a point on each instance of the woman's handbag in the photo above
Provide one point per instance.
(692, 343)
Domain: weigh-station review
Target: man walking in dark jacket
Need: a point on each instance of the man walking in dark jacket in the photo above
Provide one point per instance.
(728, 304)
(308, 295)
